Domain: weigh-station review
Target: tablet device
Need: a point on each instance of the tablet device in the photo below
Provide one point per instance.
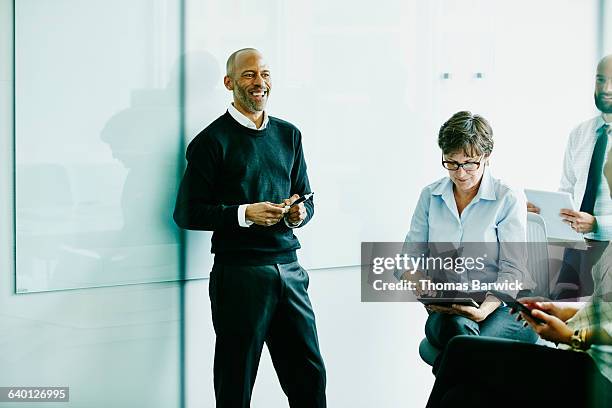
(550, 204)
(444, 301)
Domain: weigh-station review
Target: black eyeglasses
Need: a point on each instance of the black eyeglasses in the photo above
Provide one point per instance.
(454, 166)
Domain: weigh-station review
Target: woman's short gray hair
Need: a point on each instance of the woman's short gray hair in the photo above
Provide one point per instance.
(466, 132)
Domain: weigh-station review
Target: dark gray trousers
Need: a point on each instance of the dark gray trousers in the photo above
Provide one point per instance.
(253, 305)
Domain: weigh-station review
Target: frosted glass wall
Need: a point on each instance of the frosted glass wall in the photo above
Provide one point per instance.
(98, 142)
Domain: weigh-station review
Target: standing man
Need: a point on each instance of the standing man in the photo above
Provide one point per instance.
(240, 171)
(585, 156)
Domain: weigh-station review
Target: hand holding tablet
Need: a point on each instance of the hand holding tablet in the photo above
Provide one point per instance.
(450, 298)
(447, 302)
(579, 221)
(550, 204)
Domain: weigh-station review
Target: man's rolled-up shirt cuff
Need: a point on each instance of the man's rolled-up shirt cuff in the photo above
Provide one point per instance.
(603, 230)
(242, 221)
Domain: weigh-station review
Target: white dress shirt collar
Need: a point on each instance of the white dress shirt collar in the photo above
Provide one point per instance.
(599, 122)
(244, 121)
(486, 191)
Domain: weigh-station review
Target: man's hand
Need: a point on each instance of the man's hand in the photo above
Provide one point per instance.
(265, 213)
(579, 221)
(532, 208)
(296, 214)
(553, 329)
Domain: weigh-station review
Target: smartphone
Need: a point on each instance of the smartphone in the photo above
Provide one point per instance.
(515, 304)
(301, 199)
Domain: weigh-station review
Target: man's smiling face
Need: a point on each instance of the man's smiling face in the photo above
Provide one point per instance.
(251, 82)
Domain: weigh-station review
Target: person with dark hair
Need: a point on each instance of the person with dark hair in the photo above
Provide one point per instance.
(244, 172)
(582, 166)
(471, 206)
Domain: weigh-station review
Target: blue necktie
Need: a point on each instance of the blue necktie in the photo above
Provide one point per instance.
(595, 170)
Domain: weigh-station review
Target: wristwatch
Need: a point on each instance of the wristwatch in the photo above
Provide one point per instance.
(578, 340)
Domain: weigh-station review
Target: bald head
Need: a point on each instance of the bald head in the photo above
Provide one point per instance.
(230, 65)
(604, 64)
(603, 87)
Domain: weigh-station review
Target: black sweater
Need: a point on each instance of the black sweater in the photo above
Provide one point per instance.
(229, 165)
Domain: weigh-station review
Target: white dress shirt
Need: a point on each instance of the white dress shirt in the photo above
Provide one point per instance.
(246, 122)
(576, 164)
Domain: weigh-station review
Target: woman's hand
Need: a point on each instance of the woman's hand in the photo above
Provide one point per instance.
(477, 314)
(562, 310)
(473, 313)
(553, 328)
(440, 309)
(417, 277)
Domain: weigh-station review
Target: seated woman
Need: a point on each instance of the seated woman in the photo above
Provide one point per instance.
(544, 376)
(471, 206)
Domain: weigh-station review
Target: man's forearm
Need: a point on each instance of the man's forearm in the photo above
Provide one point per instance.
(204, 217)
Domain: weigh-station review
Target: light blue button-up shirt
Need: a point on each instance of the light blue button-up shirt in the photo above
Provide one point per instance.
(497, 214)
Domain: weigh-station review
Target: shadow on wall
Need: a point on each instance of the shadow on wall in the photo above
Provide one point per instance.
(113, 224)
